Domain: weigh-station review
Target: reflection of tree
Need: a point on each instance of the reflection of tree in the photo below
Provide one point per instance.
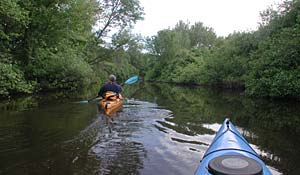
(20, 104)
(275, 125)
(34, 128)
(31, 122)
(100, 149)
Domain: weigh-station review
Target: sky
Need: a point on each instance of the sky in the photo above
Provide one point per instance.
(224, 16)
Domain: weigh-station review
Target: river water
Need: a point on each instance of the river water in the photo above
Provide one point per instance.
(162, 129)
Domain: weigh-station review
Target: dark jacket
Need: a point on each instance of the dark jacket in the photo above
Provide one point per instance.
(110, 86)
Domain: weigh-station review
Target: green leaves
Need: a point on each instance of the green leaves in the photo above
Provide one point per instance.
(266, 62)
(275, 66)
(12, 80)
(52, 44)
(117, 14)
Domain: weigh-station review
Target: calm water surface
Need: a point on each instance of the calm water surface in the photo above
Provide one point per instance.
(162, 129)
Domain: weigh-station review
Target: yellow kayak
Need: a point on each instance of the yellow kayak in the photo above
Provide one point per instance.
(111, 103)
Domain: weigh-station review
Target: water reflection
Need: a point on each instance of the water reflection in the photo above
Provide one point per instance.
(271, 126)
(162, 129)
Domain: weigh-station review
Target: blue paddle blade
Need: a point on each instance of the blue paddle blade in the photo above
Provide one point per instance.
(132, 80)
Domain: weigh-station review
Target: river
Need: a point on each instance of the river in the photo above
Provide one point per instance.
(162, 129)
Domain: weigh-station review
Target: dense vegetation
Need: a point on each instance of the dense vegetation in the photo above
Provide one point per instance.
(263, 62)
(48, 45)
(69, 44)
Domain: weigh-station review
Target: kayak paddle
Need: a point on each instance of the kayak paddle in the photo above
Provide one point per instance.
(131, 80)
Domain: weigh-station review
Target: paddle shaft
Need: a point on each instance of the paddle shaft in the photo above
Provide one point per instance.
(127, 82)
(92, 98)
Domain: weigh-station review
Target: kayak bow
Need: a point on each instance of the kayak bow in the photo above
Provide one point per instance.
(230, 154)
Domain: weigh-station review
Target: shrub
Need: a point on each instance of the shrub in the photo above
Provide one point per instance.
(12, 80)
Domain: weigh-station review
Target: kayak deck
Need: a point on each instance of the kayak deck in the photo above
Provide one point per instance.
(110, 106)
(229, 142)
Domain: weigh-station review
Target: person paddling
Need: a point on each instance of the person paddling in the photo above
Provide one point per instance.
(110, 86)
(113, 87)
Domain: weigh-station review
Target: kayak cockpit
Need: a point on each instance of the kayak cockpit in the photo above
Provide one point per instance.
(230, 154)
(234, 165)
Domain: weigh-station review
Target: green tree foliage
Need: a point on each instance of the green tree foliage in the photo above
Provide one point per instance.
(164, 47)
(51, 44)
(123, 57)
(274, 20)
(13, 19)
(175, 60)
(229, 60)
(12, 80)
(182, 31)
(265, 62)
(54, 42)
(118, 14)
(275, 66)
(120, 53)
(52, 71)
(202, 36)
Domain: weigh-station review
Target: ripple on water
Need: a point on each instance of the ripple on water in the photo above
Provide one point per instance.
(143, 138)
(137, 142)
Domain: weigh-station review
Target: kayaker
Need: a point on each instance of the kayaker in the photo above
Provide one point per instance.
(110, 86)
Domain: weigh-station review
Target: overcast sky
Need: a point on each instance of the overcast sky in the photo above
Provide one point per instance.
(224, 16)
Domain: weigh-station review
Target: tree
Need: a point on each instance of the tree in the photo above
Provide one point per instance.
(182, 33)
(117, 14)
(13, 21)
(275, 66)
(202, 36)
